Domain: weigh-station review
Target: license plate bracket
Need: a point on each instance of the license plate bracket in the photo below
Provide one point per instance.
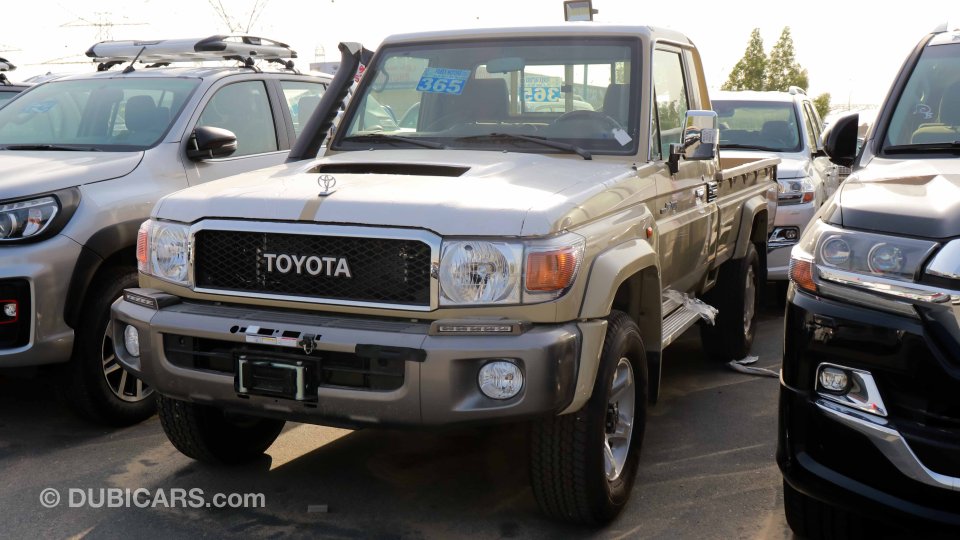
(262, 376)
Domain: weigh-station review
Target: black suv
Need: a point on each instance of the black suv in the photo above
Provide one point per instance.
(870, 388)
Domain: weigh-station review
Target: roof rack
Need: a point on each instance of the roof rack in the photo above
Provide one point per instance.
(246, 49)
(5, 65)
(794, 90)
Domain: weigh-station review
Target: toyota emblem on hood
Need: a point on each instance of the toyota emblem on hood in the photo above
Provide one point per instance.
(327, 182)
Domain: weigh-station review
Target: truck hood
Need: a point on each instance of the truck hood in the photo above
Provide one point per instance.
(916, 197)
(27, 173)
(791, 165)
(451, 192)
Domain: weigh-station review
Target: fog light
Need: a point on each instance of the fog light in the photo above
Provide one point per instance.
(131, 340)
(10, 310)
(500, 379)
(833, 379)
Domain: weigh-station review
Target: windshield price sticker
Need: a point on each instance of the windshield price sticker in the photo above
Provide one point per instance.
(541, 94)
(443, 81)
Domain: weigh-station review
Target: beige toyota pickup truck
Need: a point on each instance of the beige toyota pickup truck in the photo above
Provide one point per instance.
(462, 253)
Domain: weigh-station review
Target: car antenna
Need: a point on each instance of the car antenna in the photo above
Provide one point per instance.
(130, 68)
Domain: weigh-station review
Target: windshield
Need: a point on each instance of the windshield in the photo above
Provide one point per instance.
(95, 114)
(760, 125)
(484, 95)
(928, 111)
(6, 95)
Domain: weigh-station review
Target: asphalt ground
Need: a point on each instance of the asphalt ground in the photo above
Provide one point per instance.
(707, 471)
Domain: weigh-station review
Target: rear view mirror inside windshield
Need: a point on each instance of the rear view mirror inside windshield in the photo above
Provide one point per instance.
(505, 65)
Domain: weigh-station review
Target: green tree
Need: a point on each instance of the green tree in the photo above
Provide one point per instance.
(822, 104)
(783, 71)
(749, 72)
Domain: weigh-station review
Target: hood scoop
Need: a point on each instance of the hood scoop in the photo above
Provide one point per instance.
(408, 169)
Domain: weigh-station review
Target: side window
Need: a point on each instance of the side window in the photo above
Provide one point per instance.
(812, 134)
(302, 99)
(244, 109)
(670, 92)
(815, 120)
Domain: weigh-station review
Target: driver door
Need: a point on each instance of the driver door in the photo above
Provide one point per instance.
(685, 218)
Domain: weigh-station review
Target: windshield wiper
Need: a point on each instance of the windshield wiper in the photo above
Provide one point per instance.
(749, 147)
(543, 141)
(383, 137)
(952, 147)
(51, 147)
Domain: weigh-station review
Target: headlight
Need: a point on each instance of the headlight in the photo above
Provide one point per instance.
(25, 219)
(477, 272)
(163, 251)
(795, 190)
(856, 258)
(480, 272)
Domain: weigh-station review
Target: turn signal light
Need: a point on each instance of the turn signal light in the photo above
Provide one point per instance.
(142, 246)
(801, 273)
(551, 270)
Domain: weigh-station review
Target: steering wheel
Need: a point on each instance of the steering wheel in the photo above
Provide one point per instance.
(591, 117)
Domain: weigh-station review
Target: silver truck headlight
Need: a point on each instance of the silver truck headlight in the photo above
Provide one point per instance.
(477, 272)
(480, 272)
(24, 219)
(163, 251)
(795, 190)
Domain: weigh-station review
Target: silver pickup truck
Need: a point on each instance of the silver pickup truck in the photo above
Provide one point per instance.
(500, 260)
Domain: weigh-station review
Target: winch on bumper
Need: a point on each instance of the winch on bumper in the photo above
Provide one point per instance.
(346, 370)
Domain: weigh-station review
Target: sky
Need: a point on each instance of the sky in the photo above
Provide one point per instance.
(851, 48)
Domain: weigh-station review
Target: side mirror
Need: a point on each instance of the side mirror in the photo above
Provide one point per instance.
(700, 139)
(208, 142)
(840, 140)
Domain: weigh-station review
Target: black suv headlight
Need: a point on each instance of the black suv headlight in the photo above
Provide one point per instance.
(38, 217)
(840, 262)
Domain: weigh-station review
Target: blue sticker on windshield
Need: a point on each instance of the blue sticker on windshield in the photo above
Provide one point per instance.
(443, 81)
(40, 107)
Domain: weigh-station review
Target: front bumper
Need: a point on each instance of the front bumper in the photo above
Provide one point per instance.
(904, 467)
(43, 268)
(791, 216)
(434, 378)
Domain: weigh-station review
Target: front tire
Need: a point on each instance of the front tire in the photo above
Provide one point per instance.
(583, 464)
(209, 435)
(737, 297)
(97, 386)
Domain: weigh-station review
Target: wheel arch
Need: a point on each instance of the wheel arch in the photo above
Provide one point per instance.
(627, 278)
(112, 246)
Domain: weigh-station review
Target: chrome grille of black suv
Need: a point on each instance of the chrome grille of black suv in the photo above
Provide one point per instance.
(389, 271)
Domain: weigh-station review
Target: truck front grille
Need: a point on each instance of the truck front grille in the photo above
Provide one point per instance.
(369, 270)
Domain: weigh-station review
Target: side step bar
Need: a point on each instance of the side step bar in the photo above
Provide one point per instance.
(677, 322)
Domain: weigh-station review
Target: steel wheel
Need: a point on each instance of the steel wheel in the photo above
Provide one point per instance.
(621, 407)
(749, 300)
(123, 385)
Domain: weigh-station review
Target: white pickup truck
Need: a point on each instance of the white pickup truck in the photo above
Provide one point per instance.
(499, 261)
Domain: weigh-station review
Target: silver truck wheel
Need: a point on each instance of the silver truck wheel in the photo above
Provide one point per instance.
(123, 384)
(749, 300)
(96, 385)
(583, 465)
(619, 421)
